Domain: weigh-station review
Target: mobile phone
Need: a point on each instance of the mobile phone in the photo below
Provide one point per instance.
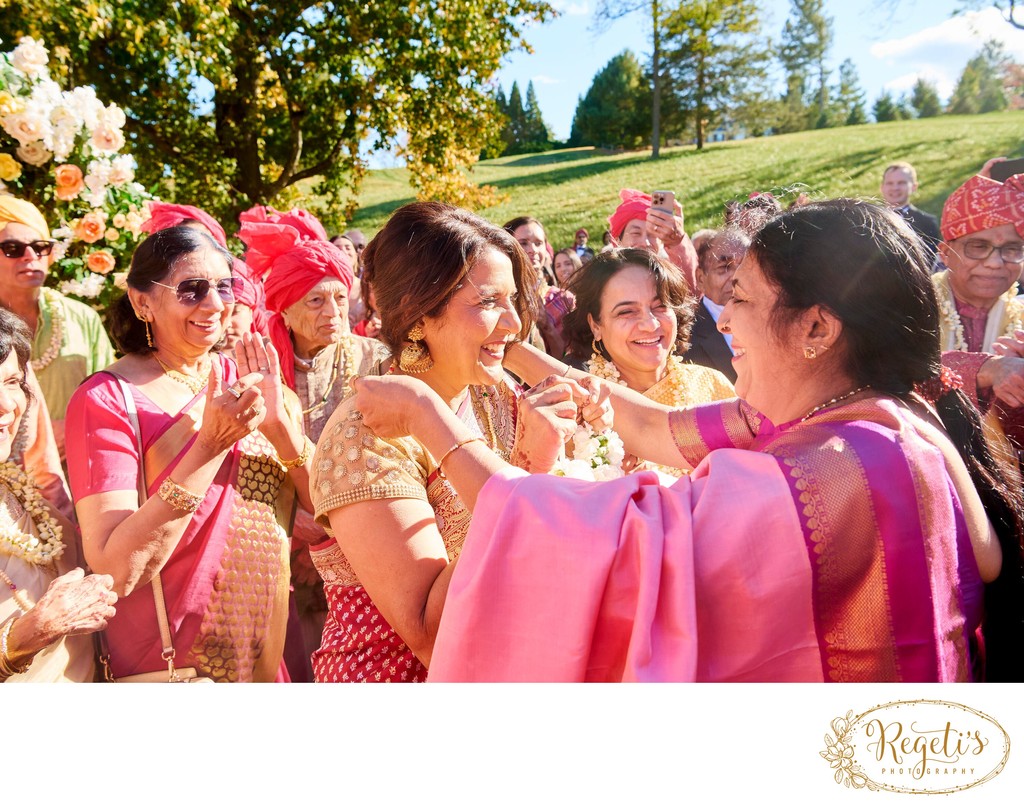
(1006, 169)
(664, 201)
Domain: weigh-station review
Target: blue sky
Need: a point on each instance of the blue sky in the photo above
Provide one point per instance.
(891, 44)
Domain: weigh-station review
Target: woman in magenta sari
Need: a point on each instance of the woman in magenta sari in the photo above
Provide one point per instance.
(222, 455)
(837, 526)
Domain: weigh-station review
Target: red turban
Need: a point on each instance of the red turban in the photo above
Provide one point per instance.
(163, 215)
(983, 203)
(293, 255)
(634, 205)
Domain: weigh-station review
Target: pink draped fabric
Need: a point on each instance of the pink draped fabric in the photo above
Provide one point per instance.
(836, 551)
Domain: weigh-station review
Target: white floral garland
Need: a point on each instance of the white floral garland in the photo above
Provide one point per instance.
(595, 456)
(951, 317)
(38, 550)
(674, 377)
(53, 303)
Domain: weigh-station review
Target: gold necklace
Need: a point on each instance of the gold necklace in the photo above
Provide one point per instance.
(53, 303)
(345, 346)
(43, 549)
(835, 400)
(482, 409)
(193, 383)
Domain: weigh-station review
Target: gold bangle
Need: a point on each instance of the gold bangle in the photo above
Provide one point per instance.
(7, 667)
(304, 456)
(458, 445)
(178, 497)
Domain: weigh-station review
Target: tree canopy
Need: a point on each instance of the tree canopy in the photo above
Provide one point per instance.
(233, 103)
(613, 113)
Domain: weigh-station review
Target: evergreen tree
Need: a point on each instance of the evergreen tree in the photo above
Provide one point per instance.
(980, 87)
(886, 108)
(516, 116)
(714, 52)
(536, 135)
(806, 40)
(613, 113)
(848, 98)
(924, 98)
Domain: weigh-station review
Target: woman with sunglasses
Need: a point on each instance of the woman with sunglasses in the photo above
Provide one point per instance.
(221, 460)
(69, 342)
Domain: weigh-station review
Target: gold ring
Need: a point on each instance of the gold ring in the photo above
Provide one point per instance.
(234, 392)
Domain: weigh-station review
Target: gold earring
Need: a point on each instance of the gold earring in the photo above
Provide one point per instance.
(416, 357)
(597, 347)
(149, 334)
(811, 352)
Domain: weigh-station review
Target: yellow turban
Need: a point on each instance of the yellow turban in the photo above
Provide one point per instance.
(13, 209)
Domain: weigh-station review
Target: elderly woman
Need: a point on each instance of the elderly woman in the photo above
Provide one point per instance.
(69, 342)
(47, 605)
(217, 459)
(636, 223)
(831, 531)
(557, 302)
(454, 293)
(632, 321)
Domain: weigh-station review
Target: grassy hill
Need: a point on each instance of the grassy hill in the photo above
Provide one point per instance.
(573, 187)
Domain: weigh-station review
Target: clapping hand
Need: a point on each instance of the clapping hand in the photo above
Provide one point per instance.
(255, 354)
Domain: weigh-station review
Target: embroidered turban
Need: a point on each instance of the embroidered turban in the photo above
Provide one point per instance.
(983, 203)
(291, 253)
(634, 205)
(163, 215)
(17, 210)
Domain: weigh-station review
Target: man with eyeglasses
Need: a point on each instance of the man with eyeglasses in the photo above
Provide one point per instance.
(69, 341)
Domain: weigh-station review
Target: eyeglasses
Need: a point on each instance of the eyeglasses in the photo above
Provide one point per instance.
(977, 250)
(193, 290)
(13, 249)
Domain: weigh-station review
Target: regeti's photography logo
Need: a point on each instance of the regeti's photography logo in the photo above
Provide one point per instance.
(920, 746)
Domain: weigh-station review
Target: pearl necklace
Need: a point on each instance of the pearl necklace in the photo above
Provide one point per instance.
(193, 383)
(23, 601)
(674, 377)
(835, 400)
(39, 550)
(53, 303)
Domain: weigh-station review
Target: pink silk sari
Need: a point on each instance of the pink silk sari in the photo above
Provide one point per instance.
(832, 550)
(226, 583)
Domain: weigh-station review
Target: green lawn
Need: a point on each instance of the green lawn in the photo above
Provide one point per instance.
(574, 187)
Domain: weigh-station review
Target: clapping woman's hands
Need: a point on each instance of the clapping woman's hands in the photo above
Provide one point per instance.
(256, 354)
(231, 414)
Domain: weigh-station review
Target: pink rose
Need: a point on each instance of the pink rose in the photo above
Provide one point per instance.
(100, 261)
(69, 181)
(90, 228)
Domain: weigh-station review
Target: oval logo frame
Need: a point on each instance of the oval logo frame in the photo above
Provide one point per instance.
(924, 747)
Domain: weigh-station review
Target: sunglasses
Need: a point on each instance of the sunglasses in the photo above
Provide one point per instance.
(193, 290)
(13, 249)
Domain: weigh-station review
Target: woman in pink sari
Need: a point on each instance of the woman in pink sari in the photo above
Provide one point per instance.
(221, 455)
(837, 527)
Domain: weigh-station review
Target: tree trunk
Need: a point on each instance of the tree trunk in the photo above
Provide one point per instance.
(656, 95)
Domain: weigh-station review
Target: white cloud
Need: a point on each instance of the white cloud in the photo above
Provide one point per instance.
(570, 9)
(939, 53)
(542, 79)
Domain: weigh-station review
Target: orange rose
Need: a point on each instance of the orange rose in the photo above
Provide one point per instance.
(69, 181)
(100, 261)
(90, 228)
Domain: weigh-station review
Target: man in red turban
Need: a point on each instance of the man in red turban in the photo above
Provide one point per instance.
(307, 282)
(635, 223)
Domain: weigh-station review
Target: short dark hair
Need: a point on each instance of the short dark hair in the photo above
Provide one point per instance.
(15, 336)
(588, 284)
(152, 261)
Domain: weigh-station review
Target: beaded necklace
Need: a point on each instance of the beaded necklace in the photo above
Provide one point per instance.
(43, 549)
(835, 400)
(53, 303)
(345, 347)
(951, 317)
(23, 601)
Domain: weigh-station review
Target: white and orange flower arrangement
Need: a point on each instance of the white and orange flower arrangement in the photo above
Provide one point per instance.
(61, 150)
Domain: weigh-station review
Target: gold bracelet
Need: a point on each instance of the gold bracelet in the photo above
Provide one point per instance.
(304, 456)
(178, 497)
(458, 445)
(7, 668)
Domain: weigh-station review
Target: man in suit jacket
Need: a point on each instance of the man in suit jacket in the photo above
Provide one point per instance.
(899, 182)
(717, 260)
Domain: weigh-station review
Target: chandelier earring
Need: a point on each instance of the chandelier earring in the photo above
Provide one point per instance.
(416, 357)
(149, 334)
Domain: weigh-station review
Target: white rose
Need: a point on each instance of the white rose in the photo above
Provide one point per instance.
(35, 154)
(85, 105)
(46, 94)
(27, 126)
(120, 220)
(113, 116)
(121, 170)
(106, 138)
(97, 197)
(92, 285)
(30, 57)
